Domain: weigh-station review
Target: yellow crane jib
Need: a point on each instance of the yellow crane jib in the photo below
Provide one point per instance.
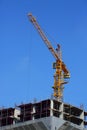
(61, 72)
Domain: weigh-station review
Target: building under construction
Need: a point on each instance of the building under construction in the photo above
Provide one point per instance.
(49, 114)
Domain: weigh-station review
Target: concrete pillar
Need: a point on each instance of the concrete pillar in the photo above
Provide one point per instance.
(51, 106)
(61, 110)
(82, 117)
(33, 113)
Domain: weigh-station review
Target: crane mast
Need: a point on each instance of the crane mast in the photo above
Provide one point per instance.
(61, 72)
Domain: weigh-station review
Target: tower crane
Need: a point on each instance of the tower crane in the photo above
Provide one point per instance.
(61, 73)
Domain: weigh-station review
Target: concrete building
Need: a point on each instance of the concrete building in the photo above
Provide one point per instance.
(48, 114)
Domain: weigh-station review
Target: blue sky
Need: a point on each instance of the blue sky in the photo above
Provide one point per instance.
(26, 63)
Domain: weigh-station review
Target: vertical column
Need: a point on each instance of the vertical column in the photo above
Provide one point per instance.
(51, 108)
(82, 117)
(61, 109)
(17, 112)
(33, 112)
